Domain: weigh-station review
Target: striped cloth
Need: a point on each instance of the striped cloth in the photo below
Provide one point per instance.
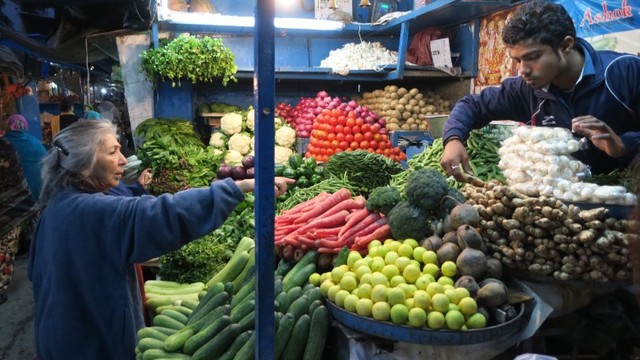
(16, 203)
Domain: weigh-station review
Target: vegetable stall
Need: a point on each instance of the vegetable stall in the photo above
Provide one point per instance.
(373, 244)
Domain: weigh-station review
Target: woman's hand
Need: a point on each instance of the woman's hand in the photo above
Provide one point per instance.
(145, 178)
(455, 160)
(600, 134)
(280, 185)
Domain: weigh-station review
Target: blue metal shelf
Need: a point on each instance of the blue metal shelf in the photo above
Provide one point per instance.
(442, 13)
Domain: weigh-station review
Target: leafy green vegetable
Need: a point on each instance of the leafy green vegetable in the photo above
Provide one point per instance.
(364, 170)
(199, 59)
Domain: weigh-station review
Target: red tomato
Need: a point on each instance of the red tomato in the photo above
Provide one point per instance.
(385, 138)
(356, 129)
(373, 144)
(377, 137)
(364, 144)
(330, 152)
(351, 115)
(342, 120)
(331, 136)
(358, 137)
(339, 128)
(359, 121)
(326, 112)
(365, 128)
(354, 145)
(348, 137)
(326, 144)
(379, 151)
(340, 136)
(335, 144)
(347, 130)
(350, 122)
(344, 145)
(382, 145)
(375, 128)
(368, 135)
(333, 121)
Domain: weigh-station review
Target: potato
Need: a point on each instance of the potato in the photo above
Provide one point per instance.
(414, 127)
(406, 115)
(405, 127)
(414, 92)
(419, 96)
(413, 102)
(422, 103)
(403, 101)
(401, 91)
(410, 121)
(430, 108)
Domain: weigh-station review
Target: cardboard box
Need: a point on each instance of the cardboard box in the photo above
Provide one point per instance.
(323, 12)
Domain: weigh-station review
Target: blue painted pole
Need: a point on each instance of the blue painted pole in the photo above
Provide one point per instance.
(264, 107)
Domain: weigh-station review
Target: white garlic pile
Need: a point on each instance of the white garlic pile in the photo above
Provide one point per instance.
(537, 161)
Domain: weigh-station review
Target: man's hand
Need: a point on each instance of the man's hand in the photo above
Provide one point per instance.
(455, 160)
(600, 134)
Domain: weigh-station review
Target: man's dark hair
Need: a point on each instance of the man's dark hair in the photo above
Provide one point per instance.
(541, 21)
(66, 104)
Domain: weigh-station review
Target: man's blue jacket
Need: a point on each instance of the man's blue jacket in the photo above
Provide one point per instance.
(609, 89)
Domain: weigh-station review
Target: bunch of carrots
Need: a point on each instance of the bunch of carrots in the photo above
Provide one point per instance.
(329, 222)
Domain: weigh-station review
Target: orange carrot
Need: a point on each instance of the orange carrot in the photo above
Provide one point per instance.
(305, 205)
(379, 234)
(328, 242)
(319, 233)
(346, 204)
(368, 220)
(323, 250)
(354, 218)
(334, 220)
(324, 205)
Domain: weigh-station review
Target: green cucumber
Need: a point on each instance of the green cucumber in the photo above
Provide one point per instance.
(285, 326)
(218, 300)
(211, 317)
(300, 278)
(165, 330)
(314, 305)
(341, 258)
(189, 304)
(284, 267)
(314, 294)
(248, 350)
(248, 268)
(248, 322)
(155, 354)
(309, 257)
(198, 340)
(318, 331)
(299, 307)
(247, 288)
(236, 345)
(151, 332)
(294, 293)
(242, 310)
(298, 339)
(283, 302)
(176, 341)
(218, 344)
(168, 322)
(176, 315)
(150, 343)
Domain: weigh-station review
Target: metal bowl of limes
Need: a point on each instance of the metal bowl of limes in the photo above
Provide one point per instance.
(404, 333)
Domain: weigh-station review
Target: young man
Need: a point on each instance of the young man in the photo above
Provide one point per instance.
(563, 82)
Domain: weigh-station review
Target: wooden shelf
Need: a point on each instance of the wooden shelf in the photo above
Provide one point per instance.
(213, 119)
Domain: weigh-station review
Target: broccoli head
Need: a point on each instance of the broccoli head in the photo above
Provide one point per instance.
(425, 188)
(449, 201)
(383, 199)
(408, 221)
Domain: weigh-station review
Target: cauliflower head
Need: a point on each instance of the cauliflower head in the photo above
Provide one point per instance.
(218, 140)
(285, 136)
(233, 157)
(240, 142)
(251, 115)
(281, 154)
(231, 123)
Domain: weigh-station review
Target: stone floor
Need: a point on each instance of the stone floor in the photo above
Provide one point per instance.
(16, 316)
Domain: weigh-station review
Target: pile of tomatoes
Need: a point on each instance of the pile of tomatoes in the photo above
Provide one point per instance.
(348, 129)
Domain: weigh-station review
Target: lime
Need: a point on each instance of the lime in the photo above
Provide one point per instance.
(399, 314)
(380, 311)
(440, 302)
(363, 307)
(350, 303)
(435, 320)
(448, 268)
(417, 317)
(379, 293)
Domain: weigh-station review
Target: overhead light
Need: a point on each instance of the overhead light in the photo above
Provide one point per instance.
(208, 19)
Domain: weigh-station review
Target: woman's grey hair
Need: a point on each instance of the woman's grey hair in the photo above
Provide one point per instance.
(72, 157)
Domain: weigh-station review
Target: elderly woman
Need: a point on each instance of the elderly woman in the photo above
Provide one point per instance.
(30, 150)
(16, 206)
(83, 276)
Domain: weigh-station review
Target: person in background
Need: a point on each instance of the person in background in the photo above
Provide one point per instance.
(29, 149)
(67, 116)
(16, 206)
(83, 275)
(92, 115)
(564, 83)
